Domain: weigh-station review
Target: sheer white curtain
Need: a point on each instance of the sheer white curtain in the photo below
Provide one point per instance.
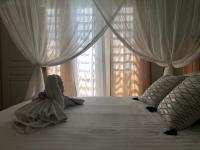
(165, 32)
(86, 75)
(47, 32)
(90, 72)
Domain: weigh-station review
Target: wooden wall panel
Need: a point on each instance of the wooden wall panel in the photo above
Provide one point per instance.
(16, 72)
(144, 75)
(1, 103)
(192, 67)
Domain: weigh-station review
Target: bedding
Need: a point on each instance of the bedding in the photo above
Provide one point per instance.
(102, 123)
(181, 107)
(159, 89)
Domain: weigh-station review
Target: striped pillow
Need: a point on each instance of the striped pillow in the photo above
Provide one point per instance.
(181, 108)
(159, 89)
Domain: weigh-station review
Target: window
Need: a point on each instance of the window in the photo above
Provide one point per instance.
(123, 64)
(84, 65)
(123, 61)
(53, 33)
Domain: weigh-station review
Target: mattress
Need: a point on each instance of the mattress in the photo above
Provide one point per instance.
(102, 123)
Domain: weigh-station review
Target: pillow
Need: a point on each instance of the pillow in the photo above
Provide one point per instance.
(159, 89)
(181, 107)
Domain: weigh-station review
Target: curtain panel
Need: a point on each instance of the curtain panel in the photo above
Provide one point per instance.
(106, 69)
(129, 74)
(164, 32)
(47, 32)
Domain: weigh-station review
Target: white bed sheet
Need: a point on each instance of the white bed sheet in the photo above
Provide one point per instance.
(102, 123)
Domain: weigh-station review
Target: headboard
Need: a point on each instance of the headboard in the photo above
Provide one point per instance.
(192, 67)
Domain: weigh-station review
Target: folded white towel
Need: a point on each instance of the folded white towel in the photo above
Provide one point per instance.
(46, 109)
(70, 101)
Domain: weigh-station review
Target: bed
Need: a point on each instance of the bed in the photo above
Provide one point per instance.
(102, 123)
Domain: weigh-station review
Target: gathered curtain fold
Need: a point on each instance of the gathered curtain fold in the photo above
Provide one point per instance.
(164, 32)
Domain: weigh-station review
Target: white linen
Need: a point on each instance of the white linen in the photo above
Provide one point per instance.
(165, 32)
(47, 32)
(102, 123)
